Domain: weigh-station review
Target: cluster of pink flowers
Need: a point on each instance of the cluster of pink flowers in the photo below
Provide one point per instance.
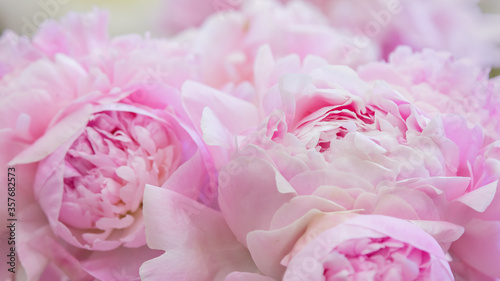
(262, 140)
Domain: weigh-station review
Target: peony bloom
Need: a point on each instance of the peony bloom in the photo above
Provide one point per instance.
(320, 137)
(91, 187)
(90, 121)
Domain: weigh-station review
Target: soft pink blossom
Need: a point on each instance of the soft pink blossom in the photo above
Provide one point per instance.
(329, 140)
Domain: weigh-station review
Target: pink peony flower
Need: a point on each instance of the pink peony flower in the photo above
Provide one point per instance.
(91, 187)
(89, 124)
(322, 138)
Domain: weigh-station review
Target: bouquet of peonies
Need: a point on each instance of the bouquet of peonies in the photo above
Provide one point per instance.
(262, 140)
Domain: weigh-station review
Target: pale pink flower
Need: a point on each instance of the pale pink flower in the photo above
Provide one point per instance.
(322, 138)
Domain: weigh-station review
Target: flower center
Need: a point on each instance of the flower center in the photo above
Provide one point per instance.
(108, 166)
(319, 128)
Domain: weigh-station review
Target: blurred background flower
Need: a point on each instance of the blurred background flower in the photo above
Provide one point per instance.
(493, 7)
(126, 16)
(490, 6)
(159, 17)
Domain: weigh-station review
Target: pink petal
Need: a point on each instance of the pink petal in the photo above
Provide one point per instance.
(198, 244)
(187, 183)
(235, 114)
(442, 231)
(268, 248)
(55, 136)
(480, 198)
(119, 264)
(300, 206)
(249, 199)
(480, 246)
